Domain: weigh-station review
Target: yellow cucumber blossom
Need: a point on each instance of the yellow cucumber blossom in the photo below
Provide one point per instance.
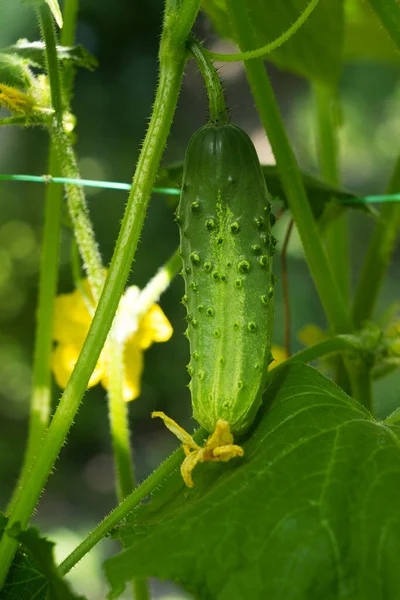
(219, 447)
(279, 355)
(73, 316)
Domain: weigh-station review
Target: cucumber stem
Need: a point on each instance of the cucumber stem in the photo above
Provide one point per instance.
(215, 92)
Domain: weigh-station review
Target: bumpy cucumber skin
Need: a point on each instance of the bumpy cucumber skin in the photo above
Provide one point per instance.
(226, 247)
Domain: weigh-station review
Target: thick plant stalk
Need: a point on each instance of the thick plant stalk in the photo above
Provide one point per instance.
(337, 234)
(172, 61)
(75, 196)
(40, 408)
(378, 256)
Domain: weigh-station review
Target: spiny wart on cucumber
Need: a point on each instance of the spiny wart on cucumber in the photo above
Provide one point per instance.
(226, 249)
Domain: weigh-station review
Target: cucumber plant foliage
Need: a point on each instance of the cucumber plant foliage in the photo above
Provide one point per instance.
(310, 507)
(310, 512)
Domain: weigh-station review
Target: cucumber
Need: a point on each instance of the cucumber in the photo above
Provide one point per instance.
(226, 246)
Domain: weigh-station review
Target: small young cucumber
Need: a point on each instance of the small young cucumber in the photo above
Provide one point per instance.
(226, 245)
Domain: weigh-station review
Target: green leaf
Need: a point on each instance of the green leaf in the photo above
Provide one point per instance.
(388, 12)
(14, 71)
(3, 523)
(33, 573)
(34, 54)
(56, 12)
(311, 512)
(315, 51)
(365, 38)
(321, 195)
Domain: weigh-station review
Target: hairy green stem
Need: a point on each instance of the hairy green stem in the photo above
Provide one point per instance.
(66, 158)
(118, 408)
(268, 48)
(120, 436)
(70, 14)
(215, 92)
(40, 407)
(329, 292)
(121, 511)
(118, 416)
(378, 255)
(172, 61)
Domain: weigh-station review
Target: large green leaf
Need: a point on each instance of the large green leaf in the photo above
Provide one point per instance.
(365, 38)
(34, 54)
(311, 512)
(388, 12)
(33, 574)
(315, 51)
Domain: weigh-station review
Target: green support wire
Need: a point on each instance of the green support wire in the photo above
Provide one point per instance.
(111, 185)
(114, 185)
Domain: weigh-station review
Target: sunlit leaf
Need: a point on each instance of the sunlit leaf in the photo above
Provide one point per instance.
(14, 71)
(33, 574)
(311, 512)
(34, 54)
(56, 12)
(365, 38)
(314, 51)
(388, 12)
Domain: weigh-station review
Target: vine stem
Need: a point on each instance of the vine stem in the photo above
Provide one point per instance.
(66, 158)
(378, 255)
(121, 511)
(172, 61)
(215, 92)
(268, 48)
(150, 294)
(118, 408)
(118, 416)
(120, 436)
(337, 234)
(337, 237)
(40, 407)
(328, 290)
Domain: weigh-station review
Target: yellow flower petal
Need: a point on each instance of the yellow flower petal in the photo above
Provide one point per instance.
(311, 334)
(182, 435)
(71, 318)
(191, 460)
(63, 363)
(218, 447)
(133, 363)
(153, 327)
(280, 355)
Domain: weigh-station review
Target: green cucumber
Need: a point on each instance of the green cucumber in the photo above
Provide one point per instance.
(226, 246)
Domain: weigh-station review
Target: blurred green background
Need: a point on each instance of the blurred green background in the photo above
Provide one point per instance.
(112, 106)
